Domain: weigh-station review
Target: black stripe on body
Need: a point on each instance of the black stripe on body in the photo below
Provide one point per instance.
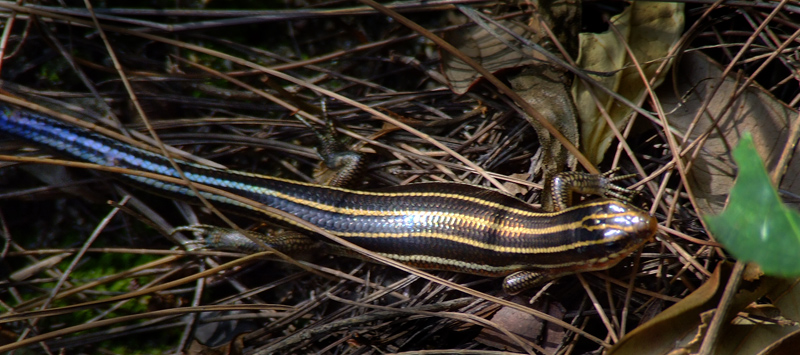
(442, 221)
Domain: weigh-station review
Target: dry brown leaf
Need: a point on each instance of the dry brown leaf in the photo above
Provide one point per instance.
(495, 49)
(650, 29)
(486, 49)
(677, 326)
(756, 111)
(786, 345)
(540, 83)
(526, 326)
(751, 339)
(517, 189)
(682, 326)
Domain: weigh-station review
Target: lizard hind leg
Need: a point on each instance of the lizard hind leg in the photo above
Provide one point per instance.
(343, 167)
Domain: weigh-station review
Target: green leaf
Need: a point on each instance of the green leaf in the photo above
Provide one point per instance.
(755, 225)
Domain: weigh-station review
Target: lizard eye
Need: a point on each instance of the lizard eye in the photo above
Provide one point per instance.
(592, 222)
